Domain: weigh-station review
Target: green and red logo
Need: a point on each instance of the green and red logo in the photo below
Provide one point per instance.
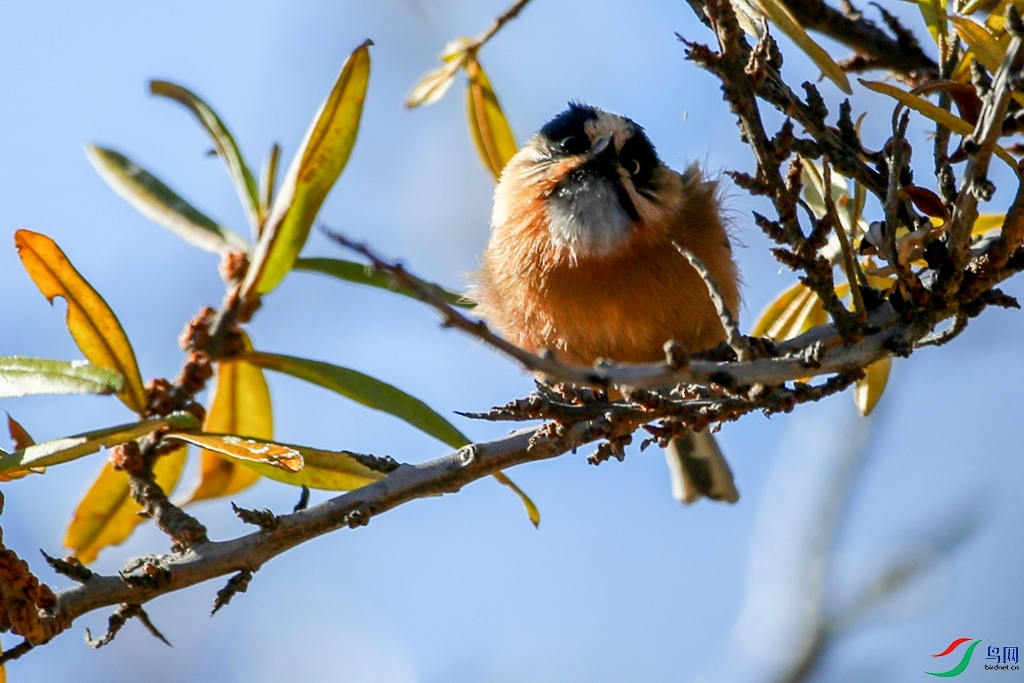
(964, 661)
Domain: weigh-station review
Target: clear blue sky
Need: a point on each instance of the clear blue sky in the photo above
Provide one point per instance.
(620, 583)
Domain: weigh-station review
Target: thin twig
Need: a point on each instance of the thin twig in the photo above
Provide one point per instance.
(503, 18)
(947, 335)
(733, 336)
(849, 262)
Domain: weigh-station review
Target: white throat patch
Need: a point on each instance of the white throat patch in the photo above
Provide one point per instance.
(589, 222)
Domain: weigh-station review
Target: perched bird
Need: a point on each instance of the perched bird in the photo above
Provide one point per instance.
(581, 261)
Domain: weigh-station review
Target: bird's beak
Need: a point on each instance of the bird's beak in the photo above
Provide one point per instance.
(603, 147)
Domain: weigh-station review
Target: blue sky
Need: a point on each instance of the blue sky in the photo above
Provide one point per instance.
(620, 582)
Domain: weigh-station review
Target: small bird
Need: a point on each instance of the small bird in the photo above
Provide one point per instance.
(581, 262)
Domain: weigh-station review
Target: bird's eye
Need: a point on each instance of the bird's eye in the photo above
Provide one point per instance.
(632, 165)
(575, 144)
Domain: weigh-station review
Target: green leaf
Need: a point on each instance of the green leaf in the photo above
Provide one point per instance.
(934, 13)
(74, 447)
(295, 465)
(21, 376)
(361, 274)
(314, 170)
(223, 142)
(364, 389)
(161, 204)
(268, 181)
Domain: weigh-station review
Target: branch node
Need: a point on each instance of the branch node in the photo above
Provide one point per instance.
(70, 567)
(264, 519)
(239, 583)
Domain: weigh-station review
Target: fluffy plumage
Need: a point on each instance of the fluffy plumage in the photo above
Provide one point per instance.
(581, 262)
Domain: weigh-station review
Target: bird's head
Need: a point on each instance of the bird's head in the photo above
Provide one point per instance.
(593, 180)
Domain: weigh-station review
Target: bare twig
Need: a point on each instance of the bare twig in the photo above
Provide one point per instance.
(732, 330)
(503, 18)
(849, 262)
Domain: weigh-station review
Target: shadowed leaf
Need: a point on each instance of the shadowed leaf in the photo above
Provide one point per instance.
(222, 140)
(360, 274)
(108, 514)
(241, 405)
(314, 170)
(161, 204)
(92, 324)
(22, 440)
(982, 44)
(21, 376)
(295, 465)
(487, 122)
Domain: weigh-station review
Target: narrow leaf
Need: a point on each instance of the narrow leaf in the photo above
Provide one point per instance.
(161, 204)
(268, 181)
(531, 510)
(314, 170)
(295, 465)
(21, 376)
(869, 389)
(787, 23)
(433, 85)
(241, 405)
(778, 315)
(92, 324)
(70, 448)
(361, 274)
(983, 44)
(934, 13)
(487, 122)
(108, 514)
(364, 389)
(222, 140)
(21, 438)
(937, 114)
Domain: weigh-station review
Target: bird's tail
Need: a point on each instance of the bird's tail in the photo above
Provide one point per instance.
(698, 469)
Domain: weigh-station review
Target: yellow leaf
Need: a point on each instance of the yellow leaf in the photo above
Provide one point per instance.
(295, 465)
(778, 314)
(92, 324)
(870, 388)
(787, 23)
(986, 222)
(937, 114)
(314, 170)
(531, 510)
(982, 43)
(241, 405)
(491, 132)
(108, 514)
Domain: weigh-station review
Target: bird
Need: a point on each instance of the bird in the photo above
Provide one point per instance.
(581, 262)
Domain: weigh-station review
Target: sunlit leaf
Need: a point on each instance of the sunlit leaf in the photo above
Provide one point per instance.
(21, 376)
(376, 394)
(223, 142)
(487, 122)
(787, 23)
(314, 170)
(364, 389)
(750, 19)
(92, 324)
(778, 316)
(531, 509)
(70, 448)
(986, 222)
(937, 114)
(361, 274)
(982, 44)
(268, 181)
(869, 389)
(295, 465)
(161, 204)
(241, 405)
(108, 514)
(434, 84)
